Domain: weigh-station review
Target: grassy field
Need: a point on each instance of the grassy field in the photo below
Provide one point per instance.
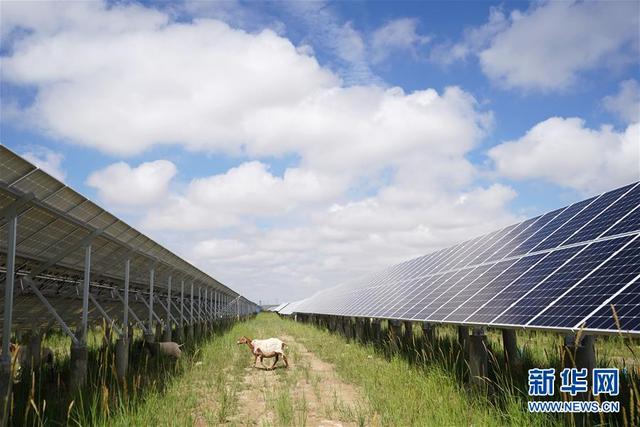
(330, 379)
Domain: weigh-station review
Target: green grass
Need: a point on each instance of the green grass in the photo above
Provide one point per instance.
(414, 386)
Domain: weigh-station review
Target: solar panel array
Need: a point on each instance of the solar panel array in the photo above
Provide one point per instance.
(562, 271)
(53, 227)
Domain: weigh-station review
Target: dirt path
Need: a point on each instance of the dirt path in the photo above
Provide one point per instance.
(308, 393)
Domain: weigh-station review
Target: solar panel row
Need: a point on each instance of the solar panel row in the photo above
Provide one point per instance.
(560, 270)
(55, 225)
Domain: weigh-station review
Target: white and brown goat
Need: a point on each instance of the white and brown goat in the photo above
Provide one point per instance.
(271, 347)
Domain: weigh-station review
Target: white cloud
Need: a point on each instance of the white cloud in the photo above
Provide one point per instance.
(473, 41)
(119, 184)
(626, 103)
(380, 174)
(399, 34)
(47, 160)
(567, 153)
(548, 46)
(245, 192)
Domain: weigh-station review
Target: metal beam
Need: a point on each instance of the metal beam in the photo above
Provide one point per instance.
(191, 305)
(52, 310)
(105, 315)
(169, 316)
(125, 317)
(133, 314)
(9, 283)
(150, 305)
(151, 312)
(182, 303)
(53, 261)
(168, 320)
(11, 211)
(85, 293)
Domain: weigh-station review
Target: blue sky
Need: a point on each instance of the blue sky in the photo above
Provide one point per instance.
(285, 147)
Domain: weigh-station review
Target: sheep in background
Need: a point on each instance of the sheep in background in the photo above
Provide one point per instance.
(272, 347)
(167, 348)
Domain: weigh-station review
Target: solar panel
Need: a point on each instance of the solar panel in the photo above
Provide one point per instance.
(52, 229)
(553, 271)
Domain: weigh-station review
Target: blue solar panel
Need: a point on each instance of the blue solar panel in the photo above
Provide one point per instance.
(625, 305)
(594, 290)
(454, 259)
(430, 284)
(553, 286)
(497, 310)
(468, 286)
(506, 238)
(550, 227)
(628, 224)
(552, 271)
(430, 305)
(483, 246)
(596, 208)
(610, 216)
(448, 290)
(483, 295)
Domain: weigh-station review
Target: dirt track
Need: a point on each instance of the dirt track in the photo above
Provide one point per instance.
(307, 393)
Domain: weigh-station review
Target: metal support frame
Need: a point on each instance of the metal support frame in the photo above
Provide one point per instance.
(85, 293)
(125, 316)
(52, 310)
(133, 314)
(199, 304)
(102, 311)
(169, 316)
(166, 322)
(206, 311)
(191, 305)
(150, 305)
(8, 287)
(151, 312)
(182, 319)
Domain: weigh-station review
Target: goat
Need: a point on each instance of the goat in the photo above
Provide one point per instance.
(272, 347)
(168, 348)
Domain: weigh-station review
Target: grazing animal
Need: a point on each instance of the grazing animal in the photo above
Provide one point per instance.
(272, 347)
(167, 348)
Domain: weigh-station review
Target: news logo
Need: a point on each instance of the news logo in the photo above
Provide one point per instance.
(604, 381)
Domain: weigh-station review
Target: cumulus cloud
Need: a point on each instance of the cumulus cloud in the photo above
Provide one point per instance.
(473, 40)
(245, 192)
(380, 174)
(626, 103)
(47, 160)
(548, 46)
(396, 35)
(120, 184)
(564, 151)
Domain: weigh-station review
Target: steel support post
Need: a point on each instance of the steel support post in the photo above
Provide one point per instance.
(180, 327)
(510, 345)
(5, 362)
(168, 326)
(429, 337)
(149, 336)
(579, 352)
(463, 337)
(395, 334)
(85, 293)
(79, 352)
(408, 334)
(122, 343)
(478, 359)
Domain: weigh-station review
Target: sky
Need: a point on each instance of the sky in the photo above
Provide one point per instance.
(286, 147)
